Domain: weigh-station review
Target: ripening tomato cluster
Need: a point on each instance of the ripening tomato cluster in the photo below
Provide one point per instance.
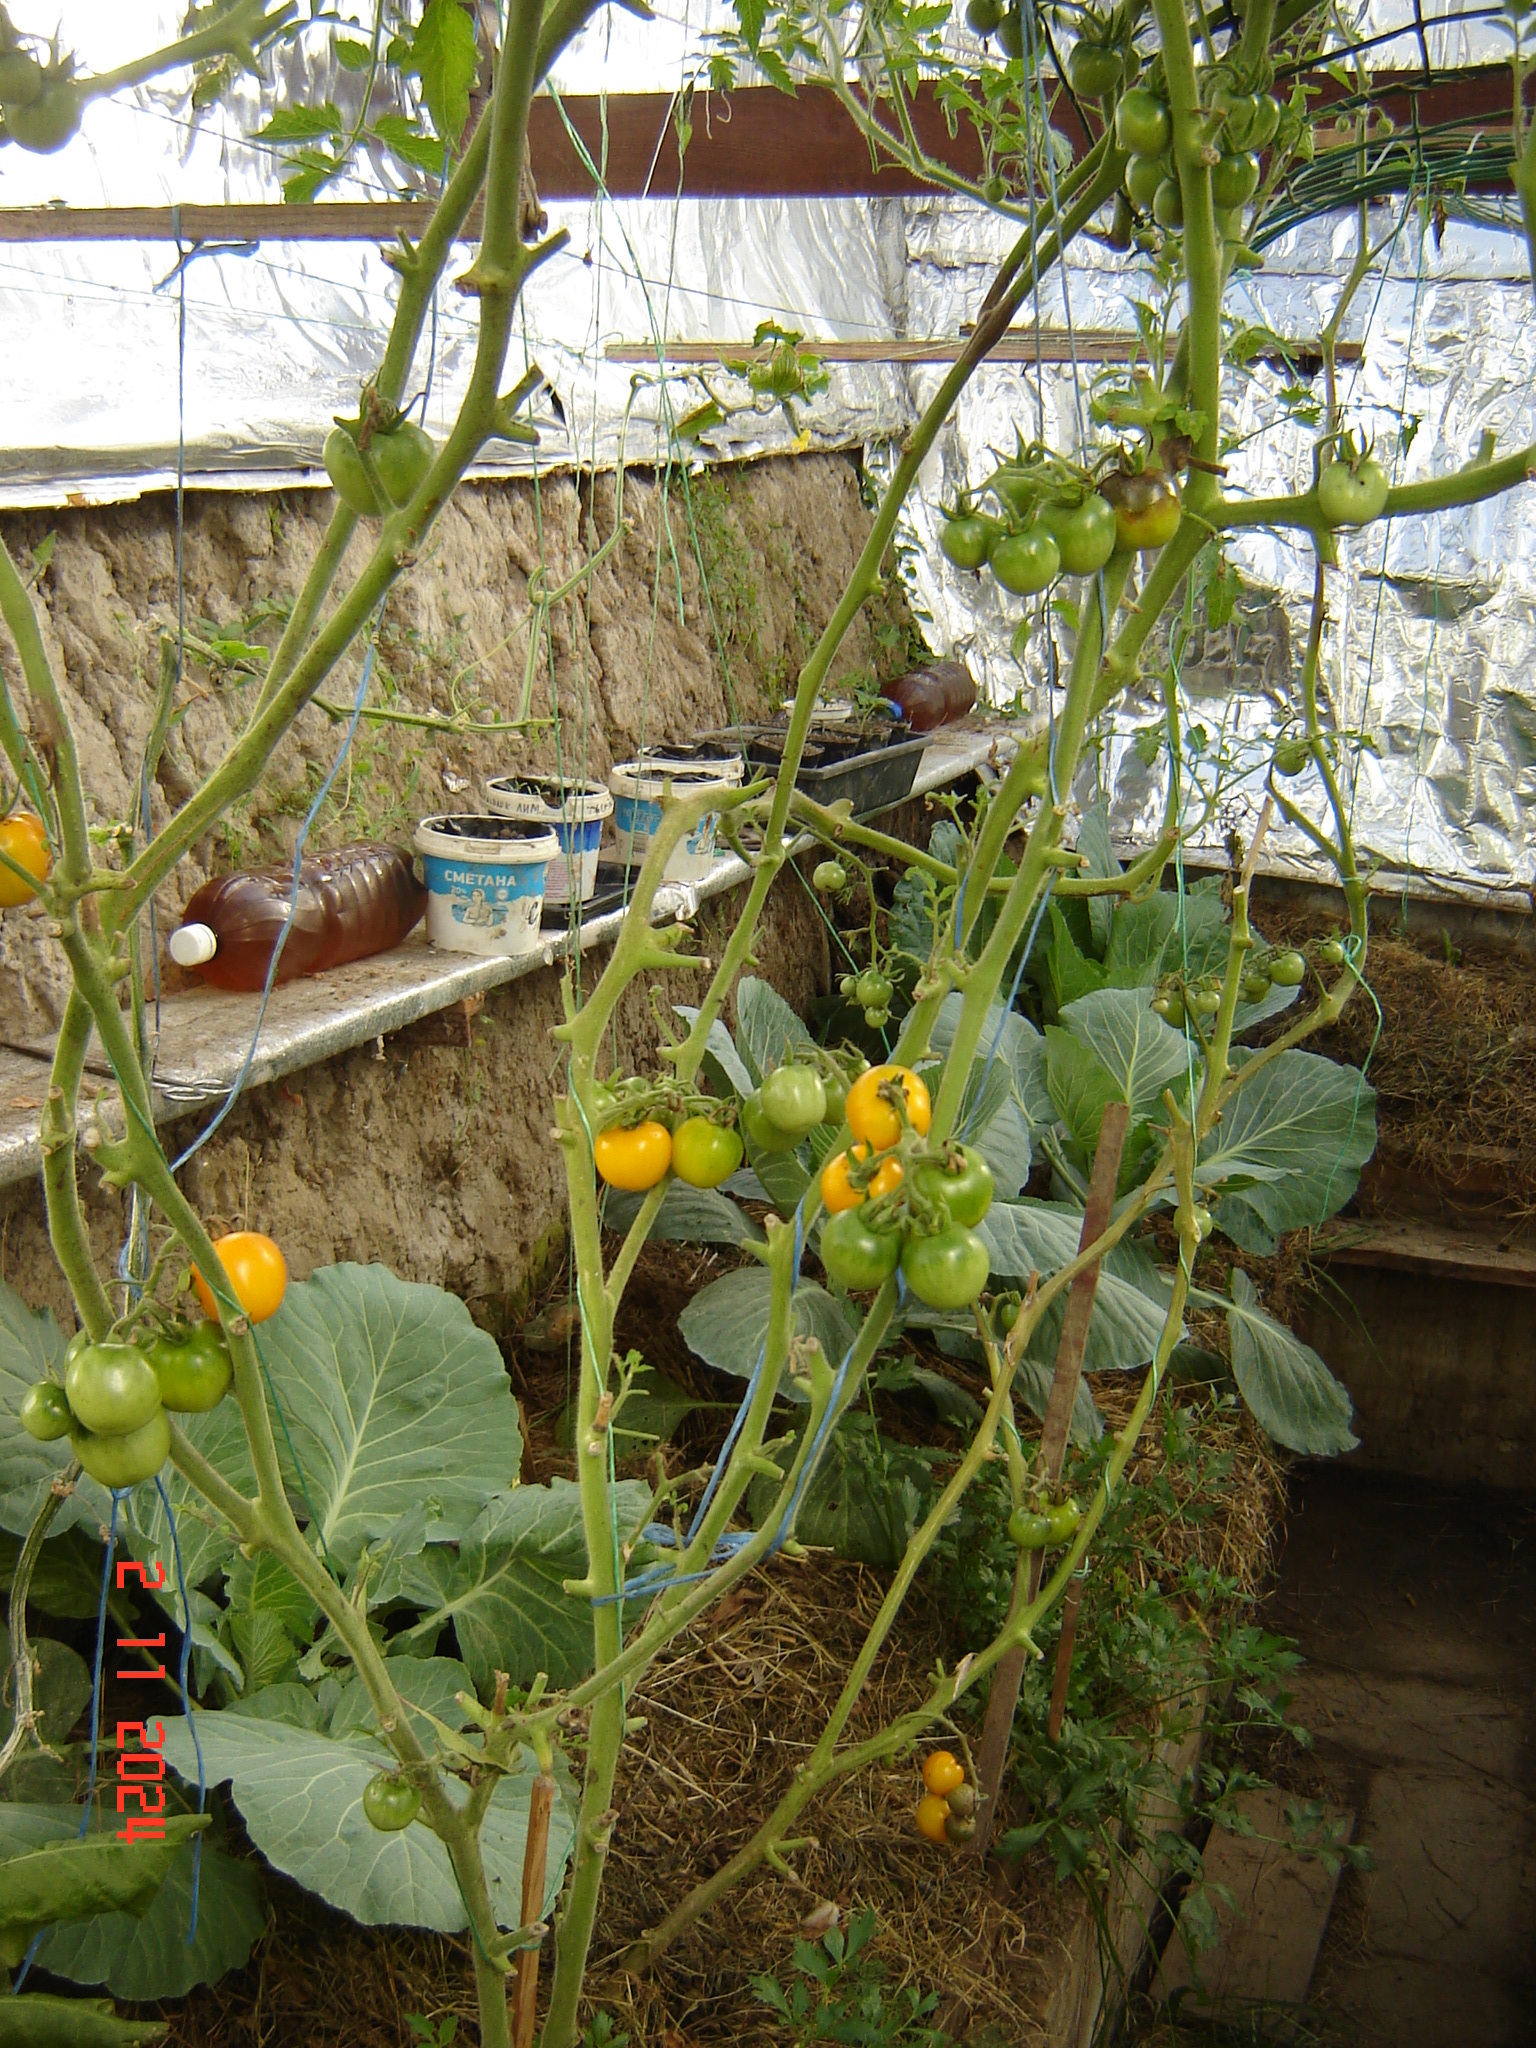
(946, 1813)
(863, 1243)
(115, 1395)
(1049, 529)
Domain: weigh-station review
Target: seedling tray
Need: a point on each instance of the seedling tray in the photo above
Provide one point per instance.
(611, 893)
(871, 768)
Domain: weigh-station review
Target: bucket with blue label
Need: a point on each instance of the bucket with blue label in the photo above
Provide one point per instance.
(638, 788)
(485, 882)
(574, 811)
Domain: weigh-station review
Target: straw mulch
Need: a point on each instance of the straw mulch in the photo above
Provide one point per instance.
(1453, 1062)
(729, 1712)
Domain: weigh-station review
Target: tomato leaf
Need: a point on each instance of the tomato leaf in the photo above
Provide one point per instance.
(302, 124)
(352, 55)
(446, 58)
(401, 135)
(300, 1795)
(1292, 1394)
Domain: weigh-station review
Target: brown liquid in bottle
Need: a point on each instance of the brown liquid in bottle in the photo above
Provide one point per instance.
(933, 695)
(351, 903)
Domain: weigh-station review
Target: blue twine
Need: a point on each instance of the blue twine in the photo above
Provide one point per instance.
(90, 1785)
(186, 1705)
(293, 905)
(656, 1578)
(1007, 1009)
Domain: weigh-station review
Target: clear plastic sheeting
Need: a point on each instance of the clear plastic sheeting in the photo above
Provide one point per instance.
(1431, 633)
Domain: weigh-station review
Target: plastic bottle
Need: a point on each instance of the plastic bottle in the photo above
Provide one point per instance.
(356, 901)
(933, 695)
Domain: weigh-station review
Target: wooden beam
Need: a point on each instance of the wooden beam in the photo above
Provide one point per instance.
(754, 143)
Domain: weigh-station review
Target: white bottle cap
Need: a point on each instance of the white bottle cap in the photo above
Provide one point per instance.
(192, 945)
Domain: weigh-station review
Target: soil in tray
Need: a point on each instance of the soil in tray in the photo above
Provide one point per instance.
(730, 1710)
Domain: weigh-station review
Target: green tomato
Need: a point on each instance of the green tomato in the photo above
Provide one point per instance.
(1168, 205)
(45, 1412)
(1143, 124)
(48, 122)
(127, 1460)
(873, 989)
(1235, 179)
(1292, 756)
(1095, 69)
(192, 1367)
(112, 1388)
(22, 79)
(965, 1188)
(1288, 970)
(349, 479)
(1255, 987)
(389, 1803)
(1085, 534)
(1331, 952)
(1010, 34)
(1015, 488)
(983, 16)
(1200, 1217)
(967, 542)
(1205, 1002)
(1063, 1519)
(794, 1100)
(402, 457)
(1266, 119)
(761, 1132)
(705, 1153)
(837, 1097)
(1143, 176)
(1170, 1009)
(1029, 1530)
(947, 1270)
(1351, 494)
(829, 877)
(1122, 226)
(1147, 508)
(857, 1258)
(1026, 562)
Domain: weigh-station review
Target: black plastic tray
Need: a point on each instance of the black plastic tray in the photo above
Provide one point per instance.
(611, 893)
(864, 768)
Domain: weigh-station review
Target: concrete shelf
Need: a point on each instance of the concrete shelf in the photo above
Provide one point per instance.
(206, 1034)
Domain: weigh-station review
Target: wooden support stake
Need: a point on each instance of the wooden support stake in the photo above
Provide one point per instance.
(1002, 1703)
(1071, 1601)
(535, 1855)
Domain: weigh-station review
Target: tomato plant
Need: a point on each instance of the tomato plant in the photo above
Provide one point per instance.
(1151, 466)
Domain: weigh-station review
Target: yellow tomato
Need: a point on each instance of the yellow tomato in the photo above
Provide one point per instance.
(634, 1159)
(942, 1772)
(932, 1817)
(258, 1275)
(23, 839)
(836, 1191)
(873, 1119)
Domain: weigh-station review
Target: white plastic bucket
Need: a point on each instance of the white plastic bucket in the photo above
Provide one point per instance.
(574, 812)
(485, 882)
(638, 787)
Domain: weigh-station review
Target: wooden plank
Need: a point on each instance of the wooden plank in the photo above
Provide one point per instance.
(1433, 1250)
(1019, 345)
(753, 143)
(1268, 1938)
